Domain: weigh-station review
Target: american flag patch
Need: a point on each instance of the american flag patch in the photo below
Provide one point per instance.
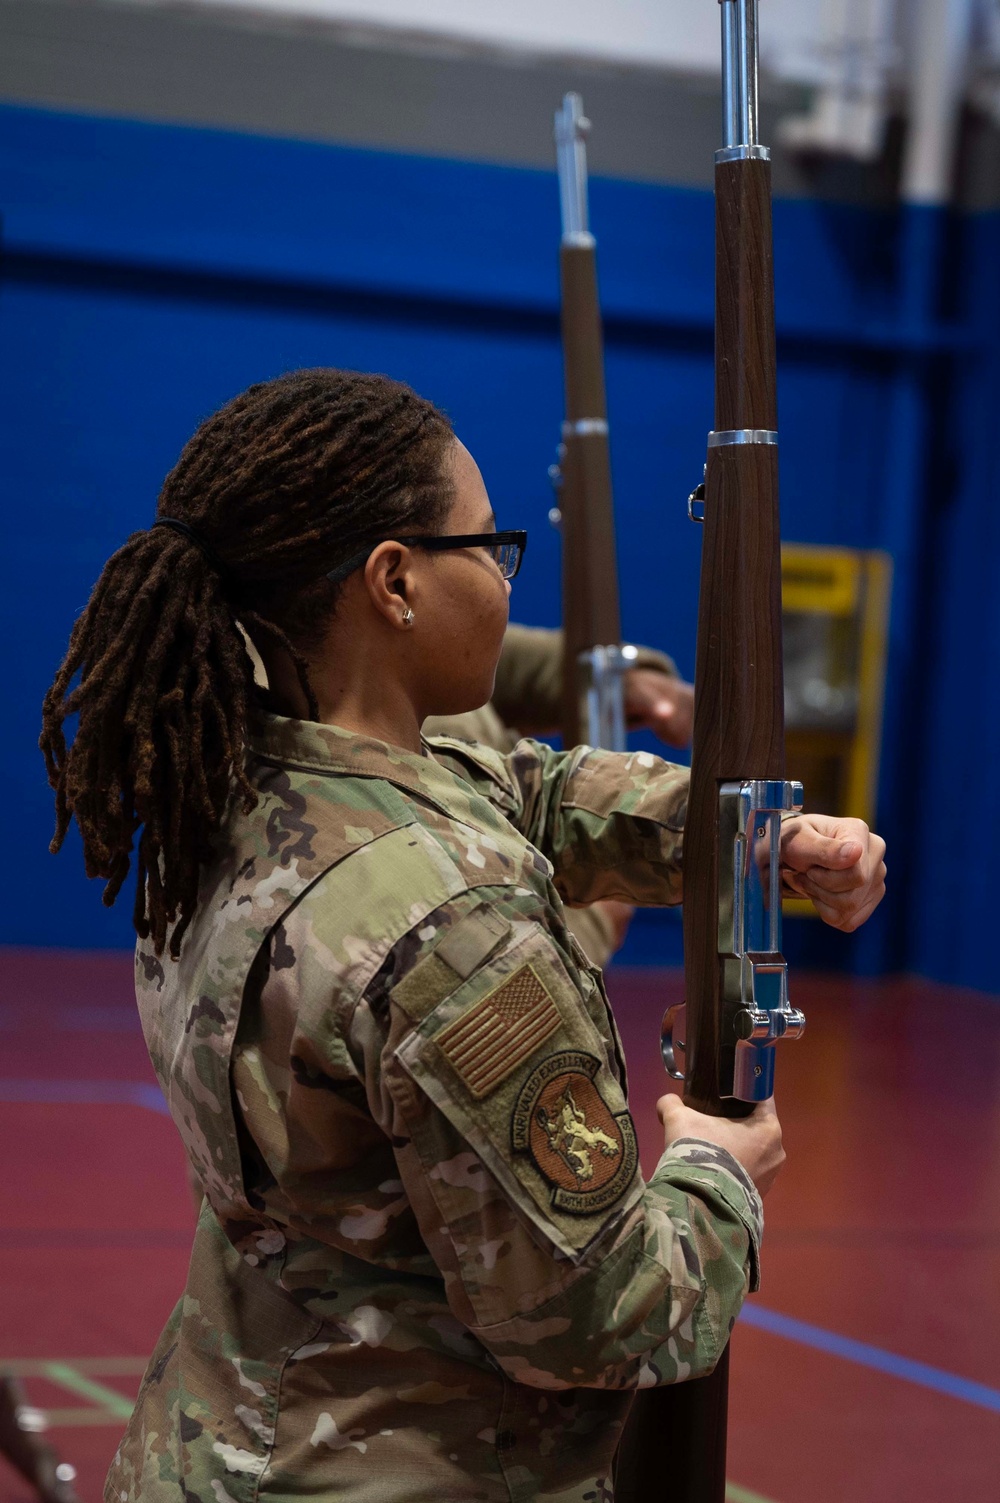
(491, 1040)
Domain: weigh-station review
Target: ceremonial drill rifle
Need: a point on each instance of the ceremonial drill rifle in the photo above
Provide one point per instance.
(594, 659)
(736, 979)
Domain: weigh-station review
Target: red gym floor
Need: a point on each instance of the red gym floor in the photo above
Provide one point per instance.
(865, 1371)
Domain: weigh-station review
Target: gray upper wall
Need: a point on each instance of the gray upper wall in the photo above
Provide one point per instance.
(320, 82)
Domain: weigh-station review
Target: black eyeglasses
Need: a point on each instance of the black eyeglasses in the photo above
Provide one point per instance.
(505, 548)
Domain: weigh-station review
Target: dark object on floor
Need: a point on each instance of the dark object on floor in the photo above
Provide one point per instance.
(23, 1443)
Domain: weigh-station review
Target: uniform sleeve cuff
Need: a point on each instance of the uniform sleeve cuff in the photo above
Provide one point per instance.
(694, 1163)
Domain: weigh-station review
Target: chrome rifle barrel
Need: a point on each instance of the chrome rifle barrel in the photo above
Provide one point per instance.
(739, 73)
(571, 157)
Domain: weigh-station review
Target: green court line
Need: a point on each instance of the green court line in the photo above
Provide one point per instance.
(112, 1367)
(61, 1419)
(68, 1377)
(116, 1367)
(735, 1494)
(115, 1406)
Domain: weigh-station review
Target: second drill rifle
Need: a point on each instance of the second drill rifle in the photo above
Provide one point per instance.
(594, 659)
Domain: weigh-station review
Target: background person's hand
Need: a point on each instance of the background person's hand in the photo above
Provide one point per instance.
(837, 863)
(755, 1140)
(661, 703)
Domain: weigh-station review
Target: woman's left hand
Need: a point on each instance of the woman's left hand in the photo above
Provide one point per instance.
(837, 863)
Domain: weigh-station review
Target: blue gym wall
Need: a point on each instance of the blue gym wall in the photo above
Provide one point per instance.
(149, 272)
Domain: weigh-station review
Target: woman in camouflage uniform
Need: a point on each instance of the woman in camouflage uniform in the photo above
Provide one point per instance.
(427, 1264)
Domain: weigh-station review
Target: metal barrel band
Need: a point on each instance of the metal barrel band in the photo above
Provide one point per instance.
(747, 153)
(722, 438)
(584, 426)
(579, 239)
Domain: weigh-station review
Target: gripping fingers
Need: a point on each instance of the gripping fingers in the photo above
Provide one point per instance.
(847, 917)
(821, 881)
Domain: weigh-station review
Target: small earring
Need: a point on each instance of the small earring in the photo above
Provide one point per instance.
(407, 617)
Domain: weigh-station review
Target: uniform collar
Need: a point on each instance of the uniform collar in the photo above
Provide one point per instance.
(332, 751)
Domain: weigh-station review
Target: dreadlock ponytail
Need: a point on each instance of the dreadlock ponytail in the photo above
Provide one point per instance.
(154, 746)
(273, 491)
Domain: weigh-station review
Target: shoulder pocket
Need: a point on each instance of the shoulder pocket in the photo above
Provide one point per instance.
(515, 1063)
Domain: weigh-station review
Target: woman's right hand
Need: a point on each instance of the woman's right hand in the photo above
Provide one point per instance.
(754, 1140)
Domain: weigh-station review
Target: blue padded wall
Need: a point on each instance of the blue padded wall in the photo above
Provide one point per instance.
(150, 272)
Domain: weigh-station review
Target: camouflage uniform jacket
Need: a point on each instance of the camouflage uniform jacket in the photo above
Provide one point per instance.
(427, 1266)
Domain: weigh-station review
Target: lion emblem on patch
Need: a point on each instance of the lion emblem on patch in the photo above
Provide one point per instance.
(571, 1136)
(585, 1151)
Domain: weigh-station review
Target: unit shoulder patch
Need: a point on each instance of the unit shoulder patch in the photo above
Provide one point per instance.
(522, 1075)
(586, 1152)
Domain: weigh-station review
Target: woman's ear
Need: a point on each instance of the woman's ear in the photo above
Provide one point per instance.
(390, 583)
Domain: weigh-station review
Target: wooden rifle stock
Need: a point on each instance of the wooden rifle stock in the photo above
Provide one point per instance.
(739, 728)
(589, 568)
(674, 1445)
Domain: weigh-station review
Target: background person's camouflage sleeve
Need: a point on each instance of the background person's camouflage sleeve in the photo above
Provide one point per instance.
(428, 1266)
(527, 694)
(595, 927)
(528, 688)
(483, 726)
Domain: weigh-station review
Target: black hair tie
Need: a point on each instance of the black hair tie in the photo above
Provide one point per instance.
(207, 552)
